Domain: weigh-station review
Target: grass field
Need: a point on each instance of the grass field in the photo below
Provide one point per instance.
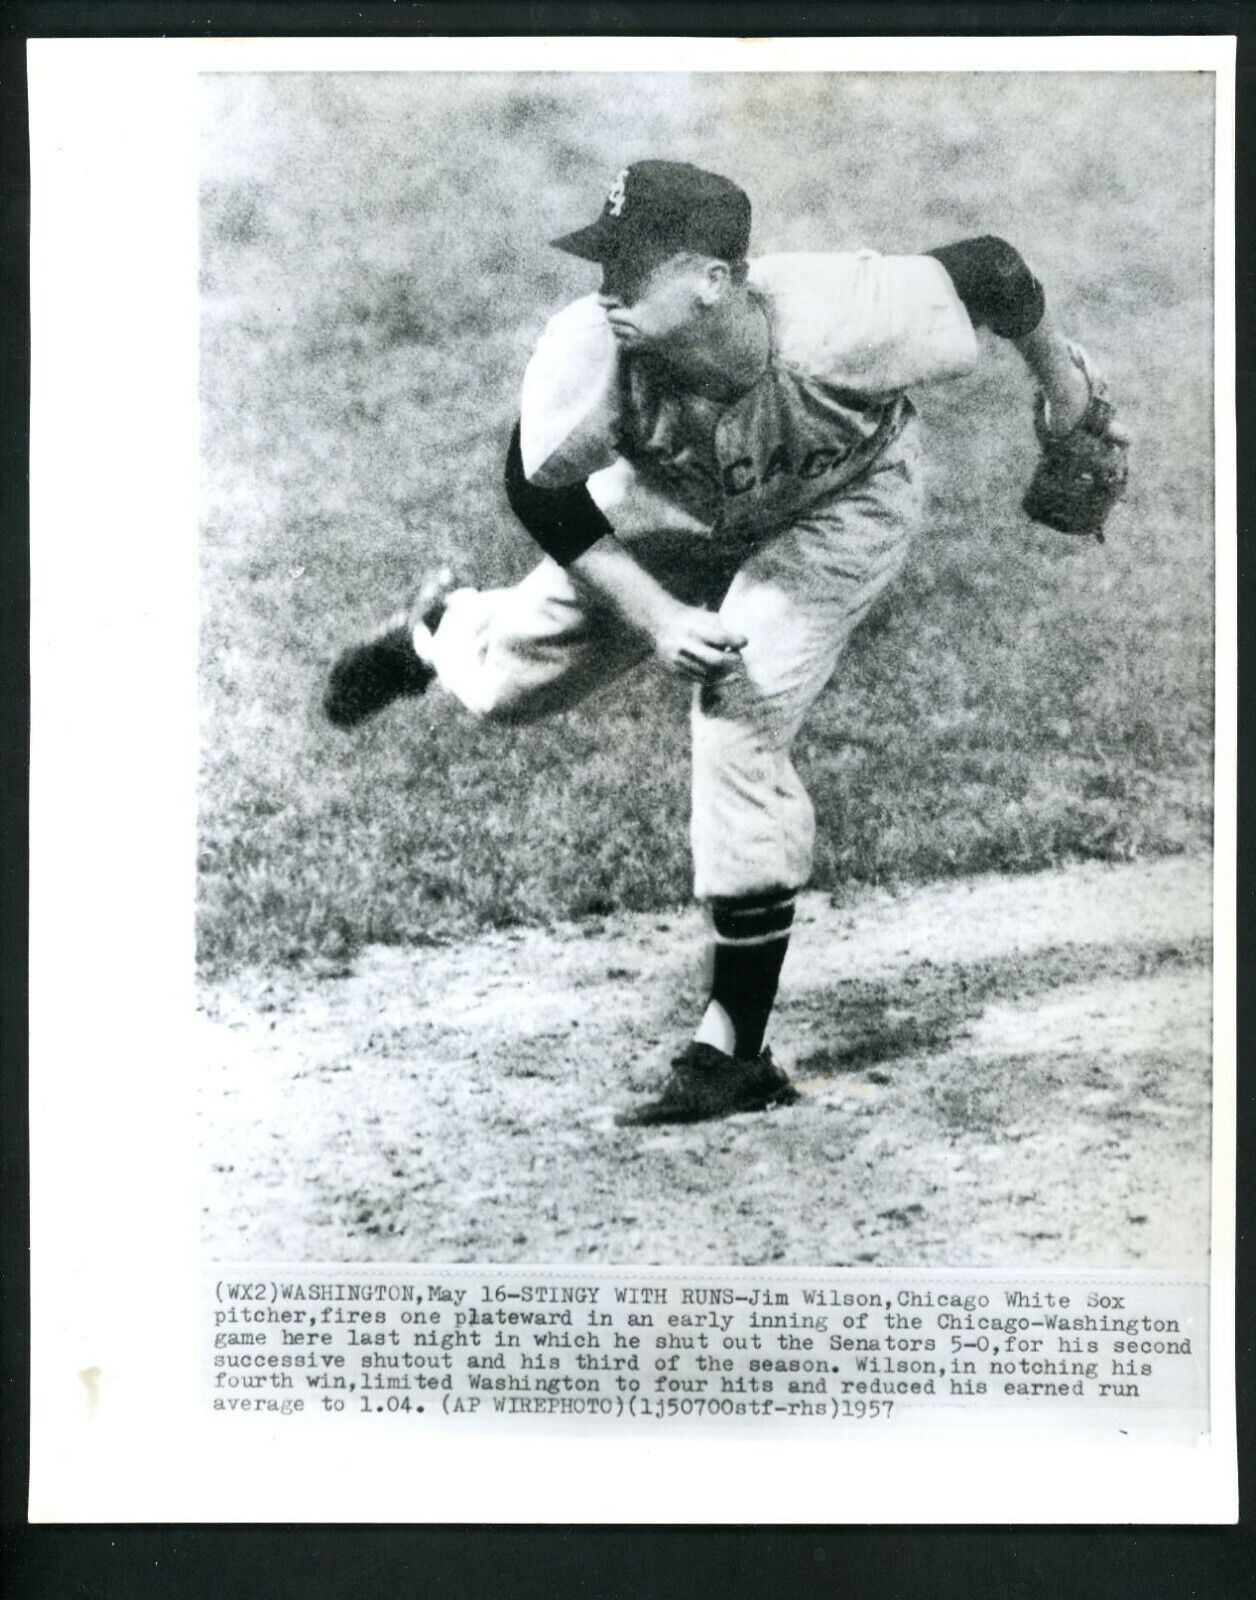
(374, 272)
(1034, 1093)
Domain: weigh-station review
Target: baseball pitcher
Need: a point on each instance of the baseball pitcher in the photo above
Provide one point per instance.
(720, 461)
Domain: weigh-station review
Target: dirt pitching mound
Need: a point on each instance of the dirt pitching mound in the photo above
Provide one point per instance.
(998, 1071)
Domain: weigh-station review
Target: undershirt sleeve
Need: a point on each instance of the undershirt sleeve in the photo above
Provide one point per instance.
(564, 522)
(996, 287)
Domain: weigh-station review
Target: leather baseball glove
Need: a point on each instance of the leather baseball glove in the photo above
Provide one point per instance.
(1082, 474)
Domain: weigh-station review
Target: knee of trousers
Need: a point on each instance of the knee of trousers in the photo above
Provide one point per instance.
(752, 824)
(500, 698)
(490, 680)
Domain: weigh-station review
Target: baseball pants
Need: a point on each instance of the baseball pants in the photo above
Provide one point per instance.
(522, 653)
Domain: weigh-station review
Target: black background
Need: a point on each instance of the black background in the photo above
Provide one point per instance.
(604, 1563)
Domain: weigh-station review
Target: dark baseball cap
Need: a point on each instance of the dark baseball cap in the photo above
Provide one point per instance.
(656, 209)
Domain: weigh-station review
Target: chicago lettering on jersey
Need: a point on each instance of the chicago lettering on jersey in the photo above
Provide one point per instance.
(741, 475)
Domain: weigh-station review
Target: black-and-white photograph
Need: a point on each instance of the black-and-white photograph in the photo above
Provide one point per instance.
(707, 614)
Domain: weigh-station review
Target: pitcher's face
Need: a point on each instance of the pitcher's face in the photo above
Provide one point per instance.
(648, 305)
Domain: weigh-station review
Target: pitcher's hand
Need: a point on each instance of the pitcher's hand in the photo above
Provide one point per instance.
(695, 643)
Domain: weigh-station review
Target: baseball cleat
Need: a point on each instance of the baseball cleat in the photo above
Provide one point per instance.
(371, 675)
(385, 667)
(705, 1083)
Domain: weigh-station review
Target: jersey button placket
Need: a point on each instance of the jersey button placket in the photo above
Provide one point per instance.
(721, 465)
(737, 457)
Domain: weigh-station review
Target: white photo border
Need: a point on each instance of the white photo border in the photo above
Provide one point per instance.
(118, 1433)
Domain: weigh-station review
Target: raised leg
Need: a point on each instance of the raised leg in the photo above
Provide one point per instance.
(518, 654)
